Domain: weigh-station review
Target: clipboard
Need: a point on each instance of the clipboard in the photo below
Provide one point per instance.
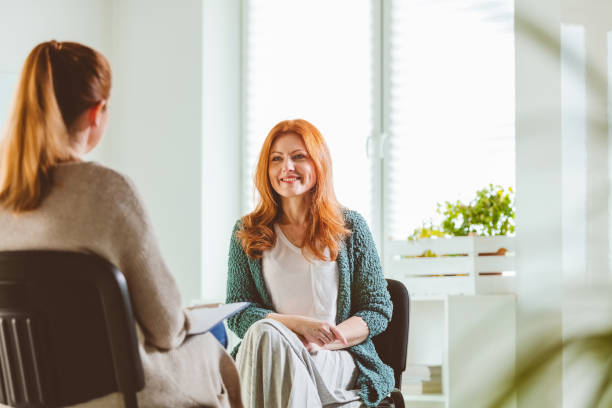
(205, 317)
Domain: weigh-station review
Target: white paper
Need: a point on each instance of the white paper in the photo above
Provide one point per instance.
(204, 318)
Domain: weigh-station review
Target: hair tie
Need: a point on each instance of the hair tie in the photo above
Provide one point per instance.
(57, 45)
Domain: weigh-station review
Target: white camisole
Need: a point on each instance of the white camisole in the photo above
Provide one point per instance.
(306, 287)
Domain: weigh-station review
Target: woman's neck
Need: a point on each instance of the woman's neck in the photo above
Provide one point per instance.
(79, 144)
(295, 210)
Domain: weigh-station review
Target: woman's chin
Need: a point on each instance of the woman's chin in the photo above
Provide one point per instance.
(291, 192)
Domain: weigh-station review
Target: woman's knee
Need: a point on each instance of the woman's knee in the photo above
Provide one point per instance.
(263, 335)
(263, 327)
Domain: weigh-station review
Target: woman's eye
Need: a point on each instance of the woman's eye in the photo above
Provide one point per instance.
(276, 158)
(299, 156)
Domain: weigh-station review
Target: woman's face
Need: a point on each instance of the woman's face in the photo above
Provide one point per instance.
(291, 170)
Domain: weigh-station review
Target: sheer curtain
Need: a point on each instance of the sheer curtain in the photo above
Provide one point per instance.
(312, 60)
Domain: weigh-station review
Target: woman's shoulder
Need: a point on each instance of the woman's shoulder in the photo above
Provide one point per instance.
(102, 188)
(237, 225)
(353, 220)
(99, 178)
(89, 169)
(360, 235)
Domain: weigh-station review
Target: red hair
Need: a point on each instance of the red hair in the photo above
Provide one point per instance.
(326, 227)
(59, 81)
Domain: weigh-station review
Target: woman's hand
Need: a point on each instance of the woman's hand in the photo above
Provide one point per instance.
(354, 330)
(311, 347)
(312, 332)
(318, 332)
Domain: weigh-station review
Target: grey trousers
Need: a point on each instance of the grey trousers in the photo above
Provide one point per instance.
(276, 371)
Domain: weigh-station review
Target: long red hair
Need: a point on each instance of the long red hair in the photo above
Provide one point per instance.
(59, 81)
(326, 227)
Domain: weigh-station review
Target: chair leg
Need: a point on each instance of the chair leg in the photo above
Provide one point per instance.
(130, 400)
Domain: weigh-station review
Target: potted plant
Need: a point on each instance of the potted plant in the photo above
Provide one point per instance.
(490, 213)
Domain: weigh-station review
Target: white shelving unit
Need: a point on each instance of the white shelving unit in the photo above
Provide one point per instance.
(472, 337)
(463, 313)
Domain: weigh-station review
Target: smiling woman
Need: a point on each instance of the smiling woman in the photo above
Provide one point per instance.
(310, 269)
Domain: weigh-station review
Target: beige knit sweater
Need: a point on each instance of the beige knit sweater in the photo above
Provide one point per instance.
(93, 209)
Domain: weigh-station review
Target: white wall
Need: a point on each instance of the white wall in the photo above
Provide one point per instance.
(174, 133)
(23, 24)
(155, 133)
(221, 147)
(176, 128)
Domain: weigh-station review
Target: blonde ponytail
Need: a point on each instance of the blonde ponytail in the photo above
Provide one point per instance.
(37, 137)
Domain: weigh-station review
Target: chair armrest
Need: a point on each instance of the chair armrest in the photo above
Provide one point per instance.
(398, 398)
(394, 400)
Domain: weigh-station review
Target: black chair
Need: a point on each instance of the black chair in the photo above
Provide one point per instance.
(67, 333)
(392, 344)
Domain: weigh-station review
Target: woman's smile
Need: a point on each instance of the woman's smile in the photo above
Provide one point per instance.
(291, 170)
(290, 179)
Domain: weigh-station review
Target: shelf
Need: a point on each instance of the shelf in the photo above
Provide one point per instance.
(425, 397)
(426, 298)
(469, 336)
(455, 268)
(444, 297)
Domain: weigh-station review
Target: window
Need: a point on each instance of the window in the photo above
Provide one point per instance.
(451, 106)
(415, 98)
(308, 60)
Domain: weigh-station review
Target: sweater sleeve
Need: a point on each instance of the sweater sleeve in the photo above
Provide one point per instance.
(153, 290)
(370, 298)
(241, 288)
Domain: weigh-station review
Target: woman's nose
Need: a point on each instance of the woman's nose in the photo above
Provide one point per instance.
(289, 165)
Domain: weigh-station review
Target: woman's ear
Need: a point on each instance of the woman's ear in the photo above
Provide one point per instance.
(95, 113)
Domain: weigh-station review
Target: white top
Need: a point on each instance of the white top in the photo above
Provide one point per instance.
(306, 287)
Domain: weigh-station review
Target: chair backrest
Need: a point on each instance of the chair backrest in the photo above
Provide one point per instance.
(392, 344)
(67, 333)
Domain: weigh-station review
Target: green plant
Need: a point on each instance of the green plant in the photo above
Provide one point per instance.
(490, 213)
(426, 231)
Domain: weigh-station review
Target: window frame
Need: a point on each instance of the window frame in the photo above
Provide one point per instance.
(376, 145)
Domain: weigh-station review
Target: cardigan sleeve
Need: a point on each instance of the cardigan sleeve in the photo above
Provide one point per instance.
(370, 298)
(241, 288)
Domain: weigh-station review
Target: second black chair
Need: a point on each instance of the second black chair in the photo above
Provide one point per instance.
(392, 344)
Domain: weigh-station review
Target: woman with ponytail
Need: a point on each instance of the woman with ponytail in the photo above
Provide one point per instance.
(51, 199)
(311, 271)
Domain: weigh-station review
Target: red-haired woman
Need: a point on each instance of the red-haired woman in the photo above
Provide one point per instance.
(311, 270)
(51, 199)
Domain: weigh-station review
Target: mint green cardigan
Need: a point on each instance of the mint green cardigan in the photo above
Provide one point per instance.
(362, 291)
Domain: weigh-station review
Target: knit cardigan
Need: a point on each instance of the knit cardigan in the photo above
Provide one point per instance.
(362, 291)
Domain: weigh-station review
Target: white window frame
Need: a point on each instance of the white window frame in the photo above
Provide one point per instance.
(376, 144)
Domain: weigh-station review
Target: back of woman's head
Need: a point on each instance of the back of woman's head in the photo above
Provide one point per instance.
(59, 81)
